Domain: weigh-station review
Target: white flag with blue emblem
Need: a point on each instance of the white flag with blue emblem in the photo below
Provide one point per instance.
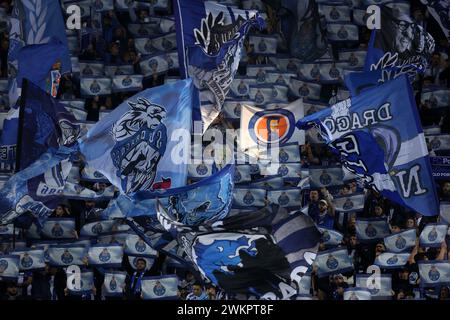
(59, 228)
(9, 267)
(127, 83)
(199, 170)
(242, 174)
(439, 142)
(232, 108)
(113, 238)
(268, 183)
(379, 286)
(357, 294)
(434, 273)
(262, 44)
(355, 58)
(330, 237)
(320, 177)
(85, 285)
(266, 93)
(342, 32)
(433, 235)
(30, 259)
(135, 245)
(105, 255)
(445, 212)
(240, 87)
(112, 70)
(354, 202)
(114, 283)
(288, 197)
(333, 261)
(132, 145)
(260, 72)
(66, 255)
(373, 229)
(159, 63)
(305, 89)
(163, 287)
(94, 229)
(95, 86)
(245, 197)
(391, 260)
(401, 241)
(435, 97)
(91, 68)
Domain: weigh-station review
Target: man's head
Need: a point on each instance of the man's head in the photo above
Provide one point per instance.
(323, 206)
(339, 280)
(353, 241)
(378, 210)
(404, 34)
(410, 223)
(11, 288)
(314, 195)
(141, 264)
(446, 189)
(197, 289)
(436, 59)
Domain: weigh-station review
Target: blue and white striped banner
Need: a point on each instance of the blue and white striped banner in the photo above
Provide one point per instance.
(342, 32)
(391, 260)
(369, 230)
(59, 228)
(357, 294)
(30, 259)
(91, 69)
(436, 97)
(334, 13)
(114, 283)
(136, 246)
(355, 202)
(118, 70)
(105, 255)
(245, 197)
(333, 261)
(401, 241)
(91, 87)
(159, 63)
(66, 255)
(240, 87)
(289, 197)
(86, 282)
(380, 285)
(9, 267)
(127, 83)
(434, 273)
(433, 235)
(330, 237)
(94, 229)
(263, 44)
(325, 177)
(163, 287)
(305, 89)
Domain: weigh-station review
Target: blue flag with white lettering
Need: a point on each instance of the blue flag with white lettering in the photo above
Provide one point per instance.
(369, 133)
(132, 145)
(210, 40)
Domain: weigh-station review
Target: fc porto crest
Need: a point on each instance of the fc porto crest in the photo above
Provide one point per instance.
(353, 60)
(348, 204)
(283, 170)
(202, 169)
(66, 257)
(283, 199)
(342, 33)
(167, 44)
(400, 243)
(237, 110)
(159, 290)
(303, 91)
(248, 198)
(127, 81)
(434, 274)
(57, 231)
(315, 71)
(153, 64)
(325, 178)
(242, 88)
(113, 284)
(435, 143)
(371, 231)
(432, 235)
(3, 265)
(87, 71)
(104, 256)
(272, 126)
(26, 261)
(332, 263)
(237, 176)
(280, 80)
(292, 66)
(283, 156)
(334, 14)
(141, 139)
(140, 246)
(97, 228)
(334, 72)
(95, 87)
(326, 236)
(392, 260)
(259, 97)
(262, 46)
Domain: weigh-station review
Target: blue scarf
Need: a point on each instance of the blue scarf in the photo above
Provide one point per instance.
(137, 287)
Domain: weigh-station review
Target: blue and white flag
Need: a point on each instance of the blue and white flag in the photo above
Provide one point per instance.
(373, 229)
(439, 11)
(159, 63)
(330, 237)
(162, 287)
(30, 259)
(59, 228)
(269, 182)
(355, 58)
(305, 89)
(102, 5)
(262, 45)
(114, 283)
(107, 256)
(354, 202)
(357, 294)
(289, 197)
(334, 13)
(391, 260)
(435, 97)
(160, 43)
(95, 86)
(264, 94)
(132, 145)
(240, 87)
(89, 174)
(94, 229)
(445, 212)
(9, 267)
(310, 71)
(242, 174)
(320, 177)
(287, 171)
(36, 25)
(279, 78)
(286, 64)
(249, 197)
(433, 235)
(113, 238)
(332, 72)
(200, 170)
(127, 83)
(333, 261)
(136, 246)
(78, 113)
(342, 32)
(379, 286)
(369, 133)
(440, 142)
(91, 69)
(119, 70)
(86, 283)
(66, 255)
(434, 273)
(401, 241)
(210, 41)
(263, 128)
(77, 192)
(232, 108)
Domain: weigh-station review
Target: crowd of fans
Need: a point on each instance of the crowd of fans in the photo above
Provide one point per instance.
(115, 45)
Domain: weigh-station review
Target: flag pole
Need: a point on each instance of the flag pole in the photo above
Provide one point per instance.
(21, 124)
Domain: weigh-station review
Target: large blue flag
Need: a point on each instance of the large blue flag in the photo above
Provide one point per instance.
(210, 41)
(370, 134)
(36, 22)
(132, 146)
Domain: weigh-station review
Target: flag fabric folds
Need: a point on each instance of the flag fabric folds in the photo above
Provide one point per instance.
(368, 132)
(210, 41)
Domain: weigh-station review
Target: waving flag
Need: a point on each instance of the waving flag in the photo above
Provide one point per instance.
(132, 145)
(333, 261)
(401, 241)
(30, 259)
(391, 260)
(433, 234)
(379, 290)
(66, 255)
(114, 283)
(163, 287)
(210, 41)
(369, 133)
(434, 273)
(373, 229)
(37, 23)
(9, 267)
(107, 256)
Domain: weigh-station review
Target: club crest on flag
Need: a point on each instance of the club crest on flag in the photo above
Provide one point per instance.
(272, 127)
(104, 255)
(140, 245)
(113, 284)
(434, 274)
(140, 135)
(332, 262)
(66, 257)
(392, 260)
(3, 265)
(26, 261)
(159, 289)
(400, 242)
